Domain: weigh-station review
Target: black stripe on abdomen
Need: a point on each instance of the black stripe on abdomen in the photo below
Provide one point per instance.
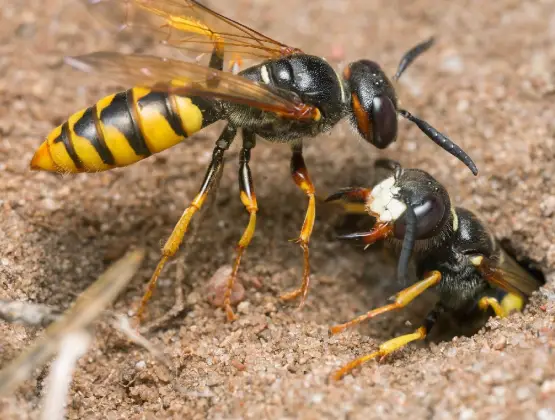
(87, 127)
(65, 138)
(119, 115)
(163, 104)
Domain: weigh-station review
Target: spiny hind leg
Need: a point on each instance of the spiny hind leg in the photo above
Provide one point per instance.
(178, 233)
(391, 345)
(302, 179)
(248, 198)
(402, 299)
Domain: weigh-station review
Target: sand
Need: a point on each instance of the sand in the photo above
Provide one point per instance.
(488, 83)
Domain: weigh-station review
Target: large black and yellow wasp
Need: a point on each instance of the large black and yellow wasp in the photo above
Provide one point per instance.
(289, 96)
(453, 251)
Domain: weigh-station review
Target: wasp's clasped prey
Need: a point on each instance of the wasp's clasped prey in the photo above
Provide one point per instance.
(453, 251)
(289, 96)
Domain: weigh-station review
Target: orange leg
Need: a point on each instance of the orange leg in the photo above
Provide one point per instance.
(172, 244)
(248, 198)
(384, 349)
(391, 345)
(301, 178)
(402, 299)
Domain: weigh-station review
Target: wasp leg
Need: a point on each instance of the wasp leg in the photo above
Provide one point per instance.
(511, 302)
(402, 299)
(248, 198)
(391, 345)
(491, 302)
(178, 233)
(301, 178)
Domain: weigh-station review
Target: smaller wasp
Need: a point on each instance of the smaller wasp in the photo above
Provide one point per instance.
(454, 254)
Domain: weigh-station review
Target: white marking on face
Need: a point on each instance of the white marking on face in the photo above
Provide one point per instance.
(265, 75)
(383, 203)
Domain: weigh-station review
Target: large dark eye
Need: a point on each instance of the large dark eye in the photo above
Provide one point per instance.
(430, 217)
(384, 120)
(373, 102)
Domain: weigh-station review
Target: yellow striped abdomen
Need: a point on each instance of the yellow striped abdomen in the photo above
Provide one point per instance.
(117, 131)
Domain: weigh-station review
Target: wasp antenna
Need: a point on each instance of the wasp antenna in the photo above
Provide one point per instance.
(407, 247)
(441, 140)
(352, 194)
(411, 55)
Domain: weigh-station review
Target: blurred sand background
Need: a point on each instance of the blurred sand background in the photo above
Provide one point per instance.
(489, 83)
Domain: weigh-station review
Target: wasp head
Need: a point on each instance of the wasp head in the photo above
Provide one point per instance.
(373, 102)
(390, 202)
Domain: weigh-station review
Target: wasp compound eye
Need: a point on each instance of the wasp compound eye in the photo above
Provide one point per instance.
(384, 119)
(373, 103)
(431, 215)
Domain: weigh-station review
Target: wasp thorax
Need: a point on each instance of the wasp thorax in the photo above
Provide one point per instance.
(373, 102)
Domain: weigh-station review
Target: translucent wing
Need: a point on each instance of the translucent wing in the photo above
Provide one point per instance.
(189, 79)
(187, 25)
(508, 275)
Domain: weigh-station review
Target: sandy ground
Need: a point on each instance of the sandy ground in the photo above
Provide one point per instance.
(489, 83)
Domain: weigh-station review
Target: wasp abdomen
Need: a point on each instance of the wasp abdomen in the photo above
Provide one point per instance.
(119, 130)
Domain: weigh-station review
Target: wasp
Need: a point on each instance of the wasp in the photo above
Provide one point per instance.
(287, 97)
(453, 251)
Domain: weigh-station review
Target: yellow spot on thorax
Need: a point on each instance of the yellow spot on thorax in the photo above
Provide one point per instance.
(476, 261)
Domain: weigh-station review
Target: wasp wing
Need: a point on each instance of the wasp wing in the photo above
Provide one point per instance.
(188, 26)
(189, 79)
(508, 275)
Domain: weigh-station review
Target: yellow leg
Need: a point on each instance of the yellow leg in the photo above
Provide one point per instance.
(172, 244)
(170, 248)
(511, 302)
(491, 302)
(301, 178)
(384, 349)
(248, 199)
(402, 299)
